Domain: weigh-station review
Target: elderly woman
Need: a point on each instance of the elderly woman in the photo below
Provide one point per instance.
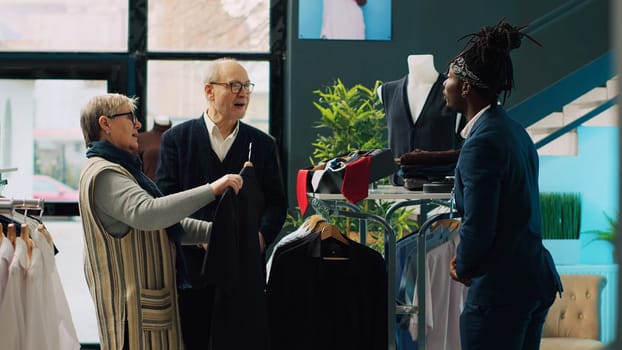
(131, 231)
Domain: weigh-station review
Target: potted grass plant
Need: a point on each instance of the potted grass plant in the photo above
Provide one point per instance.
(561, 223)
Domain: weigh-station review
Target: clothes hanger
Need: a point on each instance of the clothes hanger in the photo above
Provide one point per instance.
(448, 229)
(38, 219)
(332, 231)
(25, 235)
(313, 221)
(11, 234)
(333, 250)
(450, 224)
(44, 231)
(248, 163)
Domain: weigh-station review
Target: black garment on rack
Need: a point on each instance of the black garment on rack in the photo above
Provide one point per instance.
(327, 304)
(5, 221)
(234, 270)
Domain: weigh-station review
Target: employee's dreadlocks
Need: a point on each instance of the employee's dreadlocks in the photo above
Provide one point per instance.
(485, 61)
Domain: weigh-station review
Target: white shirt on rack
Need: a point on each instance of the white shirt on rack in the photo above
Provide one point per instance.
(6, 256)
(12, 309)
(48, 318)
(300, 233)
(444, 300)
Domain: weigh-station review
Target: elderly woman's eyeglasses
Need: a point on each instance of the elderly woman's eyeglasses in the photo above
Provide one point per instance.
(236, 86)
(130, 115)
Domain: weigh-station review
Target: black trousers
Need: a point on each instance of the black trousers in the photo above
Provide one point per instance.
(195, 310)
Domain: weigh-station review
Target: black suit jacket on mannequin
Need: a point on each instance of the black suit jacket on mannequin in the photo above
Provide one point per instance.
(435, 129)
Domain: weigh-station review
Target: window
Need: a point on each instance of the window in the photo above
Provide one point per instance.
(209, 25)
(67, 25)
(175, 90)
(56, 54)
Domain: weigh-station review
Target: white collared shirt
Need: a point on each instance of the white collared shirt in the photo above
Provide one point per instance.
(467, 128)
(220, 145)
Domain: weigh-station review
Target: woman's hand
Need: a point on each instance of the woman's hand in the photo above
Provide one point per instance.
(230, 180)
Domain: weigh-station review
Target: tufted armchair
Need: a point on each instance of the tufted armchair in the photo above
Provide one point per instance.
(573, 322)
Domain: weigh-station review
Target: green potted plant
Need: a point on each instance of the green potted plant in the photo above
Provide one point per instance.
(609, 234)
(352, 118)
(561, 223)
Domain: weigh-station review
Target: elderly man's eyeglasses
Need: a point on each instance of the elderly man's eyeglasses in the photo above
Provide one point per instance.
(130, 115)
(236, 86)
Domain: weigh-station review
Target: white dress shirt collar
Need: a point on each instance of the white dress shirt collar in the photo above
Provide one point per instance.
(467, 128)
(220, 145)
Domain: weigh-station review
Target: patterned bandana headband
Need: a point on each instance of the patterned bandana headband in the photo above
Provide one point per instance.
(459, 68)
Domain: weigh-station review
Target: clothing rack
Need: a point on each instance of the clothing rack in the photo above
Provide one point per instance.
(8, 205)
(320, 203)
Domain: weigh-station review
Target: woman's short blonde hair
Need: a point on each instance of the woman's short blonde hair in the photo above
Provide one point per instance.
(97, 106)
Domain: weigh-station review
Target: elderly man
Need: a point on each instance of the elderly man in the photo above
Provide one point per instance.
(204, 149)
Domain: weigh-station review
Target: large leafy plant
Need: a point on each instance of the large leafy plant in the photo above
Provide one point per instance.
(352, 118)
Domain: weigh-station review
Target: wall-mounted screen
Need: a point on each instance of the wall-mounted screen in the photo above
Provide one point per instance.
(344, 19)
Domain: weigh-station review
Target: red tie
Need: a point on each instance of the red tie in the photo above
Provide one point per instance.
(301, 190)
(356, 180)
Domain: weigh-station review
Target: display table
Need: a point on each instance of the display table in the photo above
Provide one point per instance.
(329, 204)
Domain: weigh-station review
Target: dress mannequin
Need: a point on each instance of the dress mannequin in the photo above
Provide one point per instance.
(149, 145)
(421, 76)
(417, 117)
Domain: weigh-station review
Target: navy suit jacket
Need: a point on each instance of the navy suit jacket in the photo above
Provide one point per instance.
(497, 195)
(187, 160)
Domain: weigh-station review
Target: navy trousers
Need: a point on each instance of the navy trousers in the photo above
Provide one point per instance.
(508, 327)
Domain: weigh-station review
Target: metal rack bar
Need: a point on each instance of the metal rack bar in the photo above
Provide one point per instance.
(9, 204)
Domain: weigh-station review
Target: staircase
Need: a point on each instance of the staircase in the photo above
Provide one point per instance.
(570, 115)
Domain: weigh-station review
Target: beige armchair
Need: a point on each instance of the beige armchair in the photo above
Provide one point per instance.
(573, 322)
